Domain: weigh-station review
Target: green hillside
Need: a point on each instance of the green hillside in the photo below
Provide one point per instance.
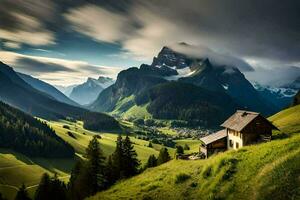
(288, 120)
(16, 169)
(265, 171)
(82, 137)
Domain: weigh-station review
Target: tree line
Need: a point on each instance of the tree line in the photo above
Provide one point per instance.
(95, 172)
(27, 135)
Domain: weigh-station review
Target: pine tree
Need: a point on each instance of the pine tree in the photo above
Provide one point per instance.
(74, 185)
(95, 166)
(131, 163)
(152, 161)
(22, 194)
(179, 149)
(117, 159)
(110, 176)
(51, 188)
(150, 145)
(163, 156)
(58, 189)
(43, 189)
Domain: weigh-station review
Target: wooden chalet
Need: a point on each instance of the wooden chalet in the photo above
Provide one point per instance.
(214, 143)
(241, 129)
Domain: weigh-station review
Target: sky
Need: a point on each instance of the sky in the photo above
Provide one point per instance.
(65, 41)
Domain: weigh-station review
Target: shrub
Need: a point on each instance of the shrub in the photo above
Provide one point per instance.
(71, 134)
(98, 136)
(180, 178)
(186, 147)
(179, 149)
(207, 172)
(66, 127)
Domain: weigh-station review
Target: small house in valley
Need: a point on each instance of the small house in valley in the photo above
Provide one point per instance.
(241, 129)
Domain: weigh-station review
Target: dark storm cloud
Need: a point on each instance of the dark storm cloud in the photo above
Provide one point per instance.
(33, 65)
(252, 29)
(262, 33)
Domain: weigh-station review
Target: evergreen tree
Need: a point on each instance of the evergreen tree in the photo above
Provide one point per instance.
(51, 188)
(152, 161)
(179, 149)
(131, 163)
(73, 184)
(117, 159)
(58, 189)
(43, 189)
(150, 145)
(163, 156)
(22, 194)
(110, 176)
(95, 166)
(88, 176)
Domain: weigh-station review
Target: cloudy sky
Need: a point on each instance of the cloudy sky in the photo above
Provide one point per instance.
(64, 41)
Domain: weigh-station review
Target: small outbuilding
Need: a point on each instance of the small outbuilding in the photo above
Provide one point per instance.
(241, 129)
(214, 143)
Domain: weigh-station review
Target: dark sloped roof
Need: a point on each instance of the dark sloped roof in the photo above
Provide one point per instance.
(214, 137)
(239, 120)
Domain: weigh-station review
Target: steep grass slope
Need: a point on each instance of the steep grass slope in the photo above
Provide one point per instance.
(264, 171)
(288, 120)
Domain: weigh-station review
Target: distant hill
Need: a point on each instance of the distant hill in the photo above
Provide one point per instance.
(88, 92)
(16, 92)
(264, 171)
(129, 82)
(27, 135)
(46, 88)
(182, 101)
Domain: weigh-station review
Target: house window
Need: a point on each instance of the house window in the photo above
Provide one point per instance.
(237, 145)
(240, 135)
(230, 143)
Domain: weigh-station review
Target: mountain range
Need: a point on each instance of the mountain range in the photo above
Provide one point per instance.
(177, 86)
(88, 91)
(19, 94)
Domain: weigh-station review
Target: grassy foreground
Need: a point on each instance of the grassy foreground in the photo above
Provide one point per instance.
(266, 171)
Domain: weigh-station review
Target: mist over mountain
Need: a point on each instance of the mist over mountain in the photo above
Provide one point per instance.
(274, 77)
(66, 90)
(88, 91)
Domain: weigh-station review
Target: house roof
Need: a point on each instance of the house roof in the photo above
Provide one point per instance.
(214, 137)
(239, 120)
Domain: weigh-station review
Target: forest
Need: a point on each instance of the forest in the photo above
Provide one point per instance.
(25, 134)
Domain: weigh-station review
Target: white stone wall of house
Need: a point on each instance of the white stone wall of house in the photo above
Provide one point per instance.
(234, 139)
